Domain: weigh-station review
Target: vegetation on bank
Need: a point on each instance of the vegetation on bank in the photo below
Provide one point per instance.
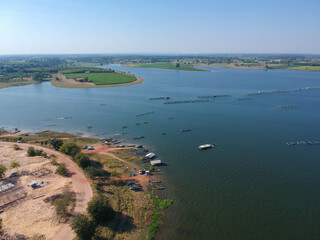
(170, 66)
(299, 68)
(158, 206)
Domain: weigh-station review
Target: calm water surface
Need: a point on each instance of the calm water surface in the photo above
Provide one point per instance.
(251, 186)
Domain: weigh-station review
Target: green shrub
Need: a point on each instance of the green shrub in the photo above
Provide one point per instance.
(165, 203)
(38, 152)
(31, 152)
(56, 143)
(14, 164)
(152, 230)
(93, 172)
(82, 160)
(62, 170)
(100, 209)
(70, 148)
(83, 227)
(3, 169)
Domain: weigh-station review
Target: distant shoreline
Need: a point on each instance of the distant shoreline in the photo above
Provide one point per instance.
(166, 66)
(261, 67)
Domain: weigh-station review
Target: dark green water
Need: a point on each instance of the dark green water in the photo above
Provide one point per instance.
(251, 186)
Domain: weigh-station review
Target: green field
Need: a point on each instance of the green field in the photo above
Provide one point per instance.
(165, 66)
(249, 64)
(306, 68)
(299, 68)
(104, 78)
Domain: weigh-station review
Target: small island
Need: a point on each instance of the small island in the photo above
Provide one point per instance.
(92, 78)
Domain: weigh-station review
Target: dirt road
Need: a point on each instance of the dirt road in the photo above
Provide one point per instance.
(80, 184)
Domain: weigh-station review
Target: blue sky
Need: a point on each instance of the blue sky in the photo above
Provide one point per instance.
(159, 26)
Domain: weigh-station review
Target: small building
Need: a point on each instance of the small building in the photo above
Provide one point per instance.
(32, 184)
(6, 187)
(155, 162)
(150, 155)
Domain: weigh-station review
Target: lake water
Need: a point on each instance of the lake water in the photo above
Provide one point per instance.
(251, 186)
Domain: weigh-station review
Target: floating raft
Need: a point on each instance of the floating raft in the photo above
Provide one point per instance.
(159, 98)
(287, 106)
(140, 137)
(142, 114)
(186, 101)
(262, 93)
(159, 187)
(244, 98)
(305, 89)
(185, 130)
(303, 143)
(214, 96)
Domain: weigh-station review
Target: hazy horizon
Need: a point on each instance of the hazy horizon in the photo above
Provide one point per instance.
(166, 27)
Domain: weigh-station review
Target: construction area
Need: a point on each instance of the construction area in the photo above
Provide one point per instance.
(22, 191)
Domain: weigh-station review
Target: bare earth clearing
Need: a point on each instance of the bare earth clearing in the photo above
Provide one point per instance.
(31, 214)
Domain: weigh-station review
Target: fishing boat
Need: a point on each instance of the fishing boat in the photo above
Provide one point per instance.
(159, 187)
(140, 137)
(205, 146)
(186, 130)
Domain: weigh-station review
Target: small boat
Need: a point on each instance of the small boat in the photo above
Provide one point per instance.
(156, 181)
(205, 146)
(164, 133)
(89, 126)
(186, 130)
(140, 137)
(137, 124)
(159, 187)
(125, 127)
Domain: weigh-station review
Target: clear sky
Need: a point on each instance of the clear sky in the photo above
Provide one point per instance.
(159, 26)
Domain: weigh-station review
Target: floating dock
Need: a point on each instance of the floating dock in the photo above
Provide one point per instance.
(186, 101)
(142, 114)
(159, 98)
(215, 96)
